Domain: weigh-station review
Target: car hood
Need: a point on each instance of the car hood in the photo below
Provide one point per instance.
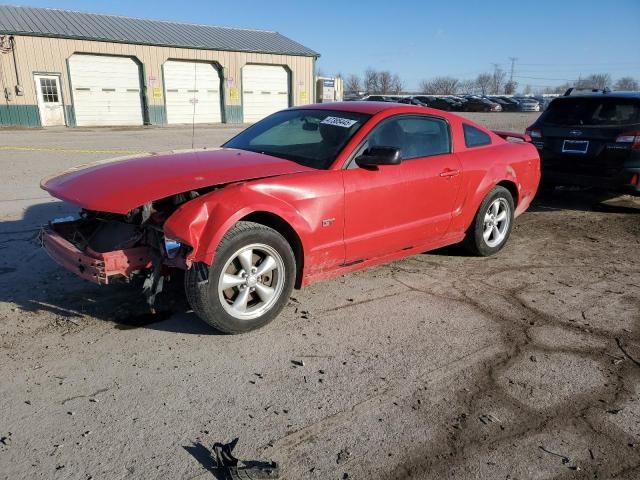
(121, 184)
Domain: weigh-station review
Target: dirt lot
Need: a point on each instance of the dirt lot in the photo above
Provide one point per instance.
(520, 366)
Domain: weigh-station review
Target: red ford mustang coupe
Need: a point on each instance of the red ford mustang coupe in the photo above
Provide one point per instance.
(306, 194)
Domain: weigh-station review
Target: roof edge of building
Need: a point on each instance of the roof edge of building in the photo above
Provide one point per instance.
(312, 54)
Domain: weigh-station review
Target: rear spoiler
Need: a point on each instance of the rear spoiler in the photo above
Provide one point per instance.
(523, 137)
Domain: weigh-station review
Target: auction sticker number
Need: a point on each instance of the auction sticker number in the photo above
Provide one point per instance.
(339, 122)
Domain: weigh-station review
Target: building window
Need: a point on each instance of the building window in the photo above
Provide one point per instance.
(49, 87)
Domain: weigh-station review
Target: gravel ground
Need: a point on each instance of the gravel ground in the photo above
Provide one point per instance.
(523, 365)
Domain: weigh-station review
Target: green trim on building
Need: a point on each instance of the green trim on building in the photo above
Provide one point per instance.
(19, 115)
(233, 114)
(157, 115)
(70, 115)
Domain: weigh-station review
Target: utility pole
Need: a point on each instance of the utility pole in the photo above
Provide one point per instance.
(513, 64)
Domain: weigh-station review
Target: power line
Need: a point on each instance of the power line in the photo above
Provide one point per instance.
(603, 64)
(546, 78)
(513, 63)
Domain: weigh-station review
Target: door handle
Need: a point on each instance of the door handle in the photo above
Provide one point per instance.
(448, 172)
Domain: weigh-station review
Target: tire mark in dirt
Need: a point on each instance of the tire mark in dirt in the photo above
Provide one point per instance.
(515, 330)
(371, 404)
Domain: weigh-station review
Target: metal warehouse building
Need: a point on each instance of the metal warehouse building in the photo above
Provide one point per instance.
(60, 67)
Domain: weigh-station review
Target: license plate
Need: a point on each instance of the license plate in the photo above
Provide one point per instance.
(575, 146)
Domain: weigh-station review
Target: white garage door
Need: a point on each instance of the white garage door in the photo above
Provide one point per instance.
(265, 89)
(192, 92)
(106, 90)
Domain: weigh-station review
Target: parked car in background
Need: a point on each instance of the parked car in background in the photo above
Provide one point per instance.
(305, 194)
(507, 106)
(377, 98)
(463, 102)
(479, 104)
(591, 139)
(412, 101)
(441, 103)
(527, 104)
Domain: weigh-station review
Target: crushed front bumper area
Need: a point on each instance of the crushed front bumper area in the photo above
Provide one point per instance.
(99, 268)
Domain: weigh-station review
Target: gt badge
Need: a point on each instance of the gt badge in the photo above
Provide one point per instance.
(327, 222)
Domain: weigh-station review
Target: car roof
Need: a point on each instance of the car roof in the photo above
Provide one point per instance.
(603, 95)
(370, 108)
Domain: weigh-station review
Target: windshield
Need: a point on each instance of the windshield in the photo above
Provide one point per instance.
(593, 111)
(312, 138)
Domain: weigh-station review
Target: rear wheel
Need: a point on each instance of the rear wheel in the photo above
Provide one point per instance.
(249, 282)
(492, 224)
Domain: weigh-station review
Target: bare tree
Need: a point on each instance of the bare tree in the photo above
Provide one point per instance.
(352, 84)
(595, 80)
(425, 87)
(440, 86)
(371, 83)
(627, 84)
(527, 90)
(484, 82)
(510, 87)
(559, 89)
(467, 87)
(397, 85)
(497, 80)
(385, 82)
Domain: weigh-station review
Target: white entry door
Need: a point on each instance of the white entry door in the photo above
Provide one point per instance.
(49, 100)
(106, 90)
(192, 92)
(265, 90)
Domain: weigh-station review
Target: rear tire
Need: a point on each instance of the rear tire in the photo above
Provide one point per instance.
(249, 283)
(492, 224)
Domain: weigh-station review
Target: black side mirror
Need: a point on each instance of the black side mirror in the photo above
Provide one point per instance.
(375, 156)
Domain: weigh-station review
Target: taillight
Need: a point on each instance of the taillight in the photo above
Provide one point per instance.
(534, 132)
(634, 180)
(630, 137)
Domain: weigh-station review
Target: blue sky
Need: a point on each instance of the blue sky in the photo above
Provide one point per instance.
(554, 41)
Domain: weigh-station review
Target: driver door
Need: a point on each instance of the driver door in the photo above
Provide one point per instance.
(394, 207)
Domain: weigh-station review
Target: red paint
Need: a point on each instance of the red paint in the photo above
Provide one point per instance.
(373, 215)
(93, 266)
(120, 185)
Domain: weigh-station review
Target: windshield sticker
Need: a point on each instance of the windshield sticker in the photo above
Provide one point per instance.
(339, 122)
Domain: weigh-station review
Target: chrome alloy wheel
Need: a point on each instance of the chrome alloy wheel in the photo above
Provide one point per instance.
(251, 282)
(496, 222)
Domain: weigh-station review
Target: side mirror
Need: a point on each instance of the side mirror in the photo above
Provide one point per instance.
(375, 156)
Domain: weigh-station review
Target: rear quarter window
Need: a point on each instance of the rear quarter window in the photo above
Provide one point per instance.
(474, 137)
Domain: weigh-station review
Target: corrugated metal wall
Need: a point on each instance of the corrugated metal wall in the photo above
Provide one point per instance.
(49, 55)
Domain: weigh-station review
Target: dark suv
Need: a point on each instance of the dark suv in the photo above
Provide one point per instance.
(591, 139)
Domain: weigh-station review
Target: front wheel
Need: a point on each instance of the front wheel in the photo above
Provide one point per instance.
(249, 282)
(492, 224)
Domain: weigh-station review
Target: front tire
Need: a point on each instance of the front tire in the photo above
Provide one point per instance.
(492, 224)
(249, 283)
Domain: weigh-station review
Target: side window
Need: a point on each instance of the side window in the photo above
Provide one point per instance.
(474, 137)
(414, 136)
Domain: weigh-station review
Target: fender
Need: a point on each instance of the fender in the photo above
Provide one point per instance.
(202, 222)
(521, 168)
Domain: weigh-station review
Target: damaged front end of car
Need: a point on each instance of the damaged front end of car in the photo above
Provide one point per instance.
(106, 248)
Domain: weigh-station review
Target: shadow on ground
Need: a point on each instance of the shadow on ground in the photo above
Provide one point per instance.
(35, 283)
(32, 281)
